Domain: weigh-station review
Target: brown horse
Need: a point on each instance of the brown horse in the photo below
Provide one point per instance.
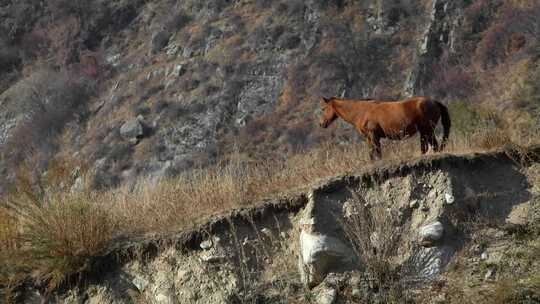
(376, 119)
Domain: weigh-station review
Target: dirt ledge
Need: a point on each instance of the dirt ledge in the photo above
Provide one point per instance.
(126, 248)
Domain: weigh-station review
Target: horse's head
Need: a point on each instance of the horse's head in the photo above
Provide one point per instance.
(328, 114)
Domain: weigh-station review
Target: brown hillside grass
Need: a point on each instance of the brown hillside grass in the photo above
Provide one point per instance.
(58, 232)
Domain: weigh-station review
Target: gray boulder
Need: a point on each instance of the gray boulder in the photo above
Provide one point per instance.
(132, 130)
(159, 41)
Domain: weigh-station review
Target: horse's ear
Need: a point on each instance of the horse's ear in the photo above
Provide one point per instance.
(326, 100)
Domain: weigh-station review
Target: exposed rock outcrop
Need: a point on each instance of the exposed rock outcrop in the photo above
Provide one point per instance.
(247, 254)
(431, 233)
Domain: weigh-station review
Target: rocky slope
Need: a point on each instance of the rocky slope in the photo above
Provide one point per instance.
(151, 88)
(447, 228)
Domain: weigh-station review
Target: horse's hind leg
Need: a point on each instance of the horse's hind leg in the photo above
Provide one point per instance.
(424, 140)
(433, 142)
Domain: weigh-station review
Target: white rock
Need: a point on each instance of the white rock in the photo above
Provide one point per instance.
(266, 231)
(164, 299)
(78, 185)
(489, 274)
(484, 256)
(449, 198)
(140, 283)
(327, 296)
(206, 244)
(212, 257)
(317, 253)
(348, 209)
(431, 233)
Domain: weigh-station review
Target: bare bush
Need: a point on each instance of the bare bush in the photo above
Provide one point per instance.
(507, 33)
(49, 100)
(451, 82)
(35, 43)
(9, 57)
(19, 18)
(176, 21)
(479, 13)
(79, 8)
(375, 235)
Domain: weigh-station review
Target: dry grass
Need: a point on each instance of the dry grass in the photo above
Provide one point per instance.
(375, 236)
(50, 238)
(60, 232)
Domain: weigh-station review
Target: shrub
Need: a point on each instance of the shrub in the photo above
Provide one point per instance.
(79, 8)
(9, 57)
(508, 33)
(451, 82)
(53, 245)
(509, 291)
(259, 37)
(482, 127)
(289, 41)
(141, 109)
(479, 13)
(490, 50)
(49, 100)
(536, 86)
(35, 43)
(375, 236)
(263, 3)
(176, 21)
(297, 135)
(20, 16)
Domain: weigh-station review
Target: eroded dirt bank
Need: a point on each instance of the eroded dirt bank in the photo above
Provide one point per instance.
(325, 243)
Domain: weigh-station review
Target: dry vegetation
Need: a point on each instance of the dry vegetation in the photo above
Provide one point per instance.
(59, 232)
(375, 236)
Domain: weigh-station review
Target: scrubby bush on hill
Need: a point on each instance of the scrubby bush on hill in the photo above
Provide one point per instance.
(49, 100)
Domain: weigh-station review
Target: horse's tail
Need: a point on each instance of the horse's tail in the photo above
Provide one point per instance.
(445, 119)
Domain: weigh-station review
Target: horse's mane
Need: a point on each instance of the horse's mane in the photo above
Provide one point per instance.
(376, 100)
(355, 99)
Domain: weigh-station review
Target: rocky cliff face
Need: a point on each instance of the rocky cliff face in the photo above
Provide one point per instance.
(203, 77)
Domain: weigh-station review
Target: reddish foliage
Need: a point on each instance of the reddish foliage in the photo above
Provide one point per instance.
(491, 49)
(451, 82)
(90, 63)
(36, 43)
(509, 33)
(516, 42)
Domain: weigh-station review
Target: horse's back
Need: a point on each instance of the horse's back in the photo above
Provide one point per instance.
(406, 115)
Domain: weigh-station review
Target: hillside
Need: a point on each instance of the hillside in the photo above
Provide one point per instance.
(157, 151)
(130, 89)
(442, 229)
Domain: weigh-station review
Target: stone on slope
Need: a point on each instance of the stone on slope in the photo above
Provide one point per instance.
(132, 130)
(431, 233)
(322, 249)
